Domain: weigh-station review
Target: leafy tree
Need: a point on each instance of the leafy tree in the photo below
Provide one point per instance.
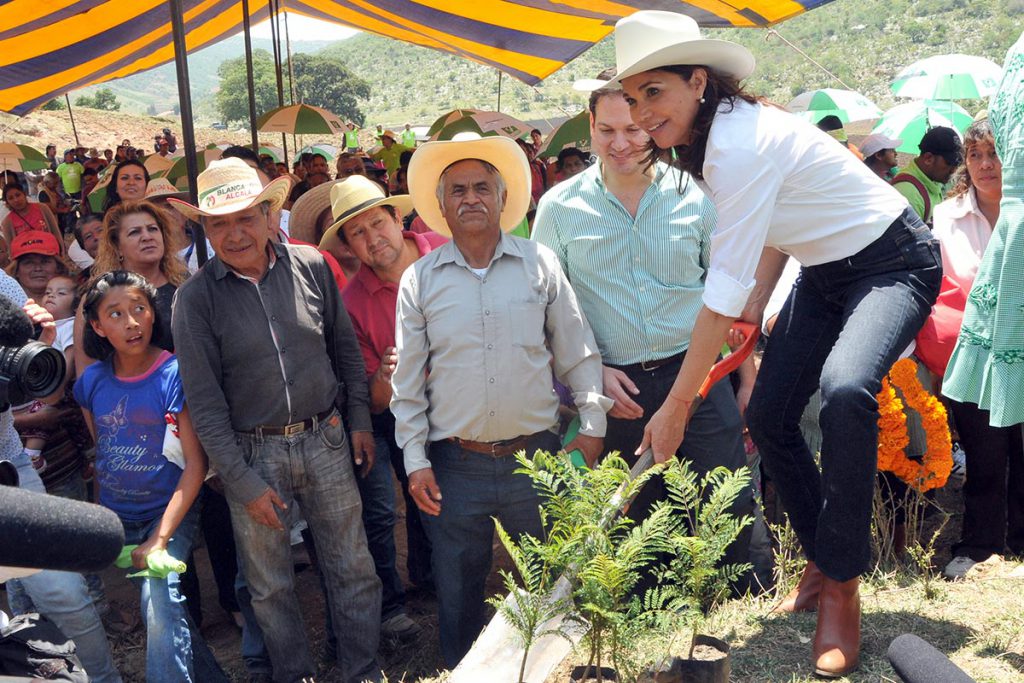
(325, 82)
(55, 104)
(233, 96)
(104, 99)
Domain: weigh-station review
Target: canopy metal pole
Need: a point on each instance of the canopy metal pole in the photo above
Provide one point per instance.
(291, 72)
(499, 91)
(249, 74)
(275, 37)
(187, 130)
(72, 116)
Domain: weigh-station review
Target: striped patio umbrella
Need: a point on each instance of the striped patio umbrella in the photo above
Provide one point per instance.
(21, 158)
(179, 169)
(948, 77)
(300, 119)
(330, 152)
(846, 104)
(574, 132)
(483, 123)
(911, 121)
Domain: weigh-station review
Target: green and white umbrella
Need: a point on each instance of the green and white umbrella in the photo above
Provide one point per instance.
(300, 119)
(574, 132)
(21, 158)
(911, 121)
(179, 169)
(483, 123)
(276, 153)
(846, 104)
(948, 77)
(330, 152)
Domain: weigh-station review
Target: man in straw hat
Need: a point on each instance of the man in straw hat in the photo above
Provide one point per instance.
(275, 378)
(370, 225)
(490, 315)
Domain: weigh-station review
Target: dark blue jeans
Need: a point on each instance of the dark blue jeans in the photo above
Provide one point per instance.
(476, 488)
(844, 325)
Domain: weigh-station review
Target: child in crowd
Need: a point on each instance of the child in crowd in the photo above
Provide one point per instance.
(134, 404)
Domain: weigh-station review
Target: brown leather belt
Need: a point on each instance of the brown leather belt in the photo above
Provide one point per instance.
(650, 365)
(495, 449)
(294, 428)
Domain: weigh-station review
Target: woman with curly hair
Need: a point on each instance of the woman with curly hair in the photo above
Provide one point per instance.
(138, 237)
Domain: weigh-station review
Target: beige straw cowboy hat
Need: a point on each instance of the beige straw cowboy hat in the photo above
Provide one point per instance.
(231, 185)
(356, 195)
(163, 188)
(431, 160)
(650, 39)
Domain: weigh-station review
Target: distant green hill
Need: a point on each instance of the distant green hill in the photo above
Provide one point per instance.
(863, 42)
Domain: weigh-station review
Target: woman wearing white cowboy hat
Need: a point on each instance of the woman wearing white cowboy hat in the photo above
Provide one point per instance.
(871, 272)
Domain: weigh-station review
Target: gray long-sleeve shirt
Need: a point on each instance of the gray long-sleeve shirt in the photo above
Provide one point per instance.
(269, 354)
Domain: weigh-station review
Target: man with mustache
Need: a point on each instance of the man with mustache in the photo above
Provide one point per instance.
(489, 315)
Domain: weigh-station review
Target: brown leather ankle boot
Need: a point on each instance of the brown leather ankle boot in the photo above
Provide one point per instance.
(803, 598)
(837, 639)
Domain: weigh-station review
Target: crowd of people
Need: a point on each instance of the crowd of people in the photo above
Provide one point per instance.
(422, 312)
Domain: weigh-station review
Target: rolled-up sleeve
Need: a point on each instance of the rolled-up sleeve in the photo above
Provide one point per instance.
(744, 187)
(409, 381)
(577, 361)
(198, 352)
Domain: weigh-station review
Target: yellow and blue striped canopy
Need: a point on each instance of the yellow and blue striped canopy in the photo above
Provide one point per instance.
(49, 47)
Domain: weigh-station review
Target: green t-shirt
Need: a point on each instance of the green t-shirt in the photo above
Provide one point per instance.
(409, 138)
(391, 157)
(352, 138)
(913, 195)
(71, 177)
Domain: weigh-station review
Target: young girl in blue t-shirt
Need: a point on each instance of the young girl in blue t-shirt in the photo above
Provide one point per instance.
(149, 464)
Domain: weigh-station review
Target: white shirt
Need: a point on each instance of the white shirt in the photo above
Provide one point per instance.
(778, 181)
(79, 256)
(963, 232)
(65, 334)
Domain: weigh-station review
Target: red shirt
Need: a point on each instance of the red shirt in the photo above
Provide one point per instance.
(332, 263)
(371, 304)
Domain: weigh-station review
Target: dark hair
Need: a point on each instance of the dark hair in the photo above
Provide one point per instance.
(720, 88)
(89, 171)
(571, 152)
(404, 158)
(113, 199)
(240, 152)
(82, 222)
(317, 155)
(979, 132)
(9, 187)
(98, 347)
(535, 130)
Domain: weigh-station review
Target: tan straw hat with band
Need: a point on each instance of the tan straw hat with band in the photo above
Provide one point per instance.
(356, 195)
(431, 160)
(650, 39)
(231, 185)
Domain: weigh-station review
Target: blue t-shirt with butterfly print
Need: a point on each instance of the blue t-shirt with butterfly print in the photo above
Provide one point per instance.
(135, 479)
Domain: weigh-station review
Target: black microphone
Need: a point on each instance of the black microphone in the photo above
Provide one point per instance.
(915, 661)
(48, 532)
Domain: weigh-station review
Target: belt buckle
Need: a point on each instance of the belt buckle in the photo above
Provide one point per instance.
(650, 365)
(294, 428)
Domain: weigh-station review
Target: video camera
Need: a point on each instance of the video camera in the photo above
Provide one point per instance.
(27, 372)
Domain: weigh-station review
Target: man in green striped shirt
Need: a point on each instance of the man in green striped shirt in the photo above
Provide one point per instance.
(634, 241)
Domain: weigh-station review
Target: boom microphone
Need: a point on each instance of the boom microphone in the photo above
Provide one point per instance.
(48, 532)
(915, 661)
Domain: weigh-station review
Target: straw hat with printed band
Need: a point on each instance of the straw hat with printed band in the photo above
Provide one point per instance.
(431, 160)
(231, 185)
(353, 197)
(650, 39)
(161, 188)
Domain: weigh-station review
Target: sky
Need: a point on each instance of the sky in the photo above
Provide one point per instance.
(307, 28)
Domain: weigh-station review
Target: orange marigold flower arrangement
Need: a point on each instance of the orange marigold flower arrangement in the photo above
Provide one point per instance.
(934, 468)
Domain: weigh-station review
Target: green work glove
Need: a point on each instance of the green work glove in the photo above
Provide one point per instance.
(159, 563)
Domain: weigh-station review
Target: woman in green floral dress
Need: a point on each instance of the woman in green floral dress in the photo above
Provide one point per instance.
(987, 367)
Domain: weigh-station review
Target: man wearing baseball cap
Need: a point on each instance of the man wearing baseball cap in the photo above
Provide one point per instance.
(922, 179)
(880, 154)
(276, 382)
(490, 316)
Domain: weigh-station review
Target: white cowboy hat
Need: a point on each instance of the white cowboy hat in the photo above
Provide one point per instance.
(231, 185)
(353, 197)
(431, 160)
(650, 39)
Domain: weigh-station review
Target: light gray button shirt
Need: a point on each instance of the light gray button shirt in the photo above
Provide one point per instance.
(475, 354)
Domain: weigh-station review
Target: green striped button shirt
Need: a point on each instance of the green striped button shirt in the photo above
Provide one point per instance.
(639, 281)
